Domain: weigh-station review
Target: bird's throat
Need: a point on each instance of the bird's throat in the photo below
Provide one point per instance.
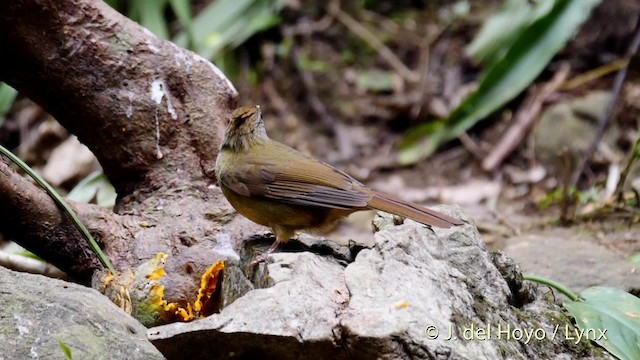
(243, 142)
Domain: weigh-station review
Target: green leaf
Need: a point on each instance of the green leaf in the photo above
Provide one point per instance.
(7, 97)
(214, 19)
(95, 185)
(504, 27)
(505, 79)
(307, 64)
(28, 254)
(14, 248)
(376, 80)
(65, 350)
(113, 3)
(151, 16)
(461, 9)
(228, 23)
(182, 9)
(635, 258)
(614, 312)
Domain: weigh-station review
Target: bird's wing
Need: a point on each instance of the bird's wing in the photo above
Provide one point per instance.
(296, 179)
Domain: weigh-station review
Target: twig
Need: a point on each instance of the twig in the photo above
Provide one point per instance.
(366, 35)
(594, 74)
(633, 157)
(568, 198)
(505, 221)
(278, 103)
(624, 208)
(30, 265)
(606, 116)
(604, 211)
(425, 62)
(424, 70)
(471, 146)
(524, 118)
(308, 28)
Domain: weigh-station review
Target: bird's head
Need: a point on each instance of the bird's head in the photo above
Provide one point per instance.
(245, 128)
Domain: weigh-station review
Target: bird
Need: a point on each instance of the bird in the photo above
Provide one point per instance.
(279, 187)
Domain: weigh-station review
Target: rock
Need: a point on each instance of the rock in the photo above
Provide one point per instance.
(71, 160)
(400, 299)
(572, 125)
(296, 314)
(572, 258)
(39, 312)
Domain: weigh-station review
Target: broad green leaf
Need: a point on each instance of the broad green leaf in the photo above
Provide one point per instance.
(7, 97)
(614, 312)
(635, 258)
(113, 3)
(214, 19)
(150, 15)
(182, 9)
(106, 196)
(505, 79)
(228, 23)
(95, 185)
(500, 31)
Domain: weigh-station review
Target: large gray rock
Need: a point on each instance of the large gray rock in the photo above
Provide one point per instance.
(417, 294)
(574, 258)
(38, 312)
(572, 125)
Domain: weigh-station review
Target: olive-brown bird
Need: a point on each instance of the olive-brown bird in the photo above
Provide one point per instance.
(279, 187)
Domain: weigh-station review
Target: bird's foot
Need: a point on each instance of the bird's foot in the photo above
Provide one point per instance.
(260, 258)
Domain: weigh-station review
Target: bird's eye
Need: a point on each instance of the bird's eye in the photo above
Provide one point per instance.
(240, 121)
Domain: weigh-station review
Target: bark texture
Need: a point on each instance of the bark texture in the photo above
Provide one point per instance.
(151, 112)
(143, 106)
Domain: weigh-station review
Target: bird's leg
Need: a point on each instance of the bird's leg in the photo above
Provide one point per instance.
(262, 257)
(282, 235)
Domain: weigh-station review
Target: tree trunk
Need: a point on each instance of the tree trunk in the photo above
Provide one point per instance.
(153, 114)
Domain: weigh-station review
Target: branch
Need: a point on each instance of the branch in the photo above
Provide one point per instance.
(605, 118)
(107, 79)
(152, 113)
(366, 35)
(32, 218)
(525, 117)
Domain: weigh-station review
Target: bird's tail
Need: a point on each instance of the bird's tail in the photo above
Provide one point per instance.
(394, 205)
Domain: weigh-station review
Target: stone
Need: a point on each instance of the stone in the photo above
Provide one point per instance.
(39, 312)
(573, 258)
(418, 293)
